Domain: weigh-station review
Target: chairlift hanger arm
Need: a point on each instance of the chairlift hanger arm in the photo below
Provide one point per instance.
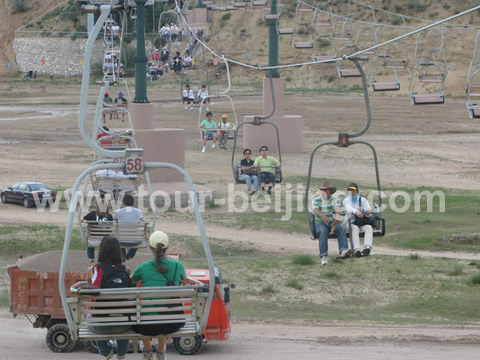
(105, 12)
(365, 96)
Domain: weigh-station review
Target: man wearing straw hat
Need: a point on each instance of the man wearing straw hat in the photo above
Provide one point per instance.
(327, 209)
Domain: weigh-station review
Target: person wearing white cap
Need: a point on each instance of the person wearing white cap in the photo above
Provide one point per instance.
(160, 271)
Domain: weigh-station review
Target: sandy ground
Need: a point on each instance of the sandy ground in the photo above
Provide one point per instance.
(430, 146)
(272, 341)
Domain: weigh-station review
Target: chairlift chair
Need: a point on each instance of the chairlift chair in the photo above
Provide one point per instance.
(236, 168)
(425, 96)
(92, 307)
(473, 95)
(395, 55)
(386, 83)
(344, 141)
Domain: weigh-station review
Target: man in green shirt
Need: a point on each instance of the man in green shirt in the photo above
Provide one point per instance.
(266, 165)
(327, 210)
(207, 126)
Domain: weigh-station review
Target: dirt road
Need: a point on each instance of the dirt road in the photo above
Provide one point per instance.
(276, 341)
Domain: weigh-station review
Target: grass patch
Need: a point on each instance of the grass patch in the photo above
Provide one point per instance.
(456, 271)
(35, 239)
(393, 291)
(267, 289)
(294, 283)
(475, 279)
(304, 260)
(4, 299)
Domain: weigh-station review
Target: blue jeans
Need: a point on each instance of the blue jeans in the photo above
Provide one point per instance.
(323, 230)
(249, 179)
(130, 253)
(104, 346)
(91, 252)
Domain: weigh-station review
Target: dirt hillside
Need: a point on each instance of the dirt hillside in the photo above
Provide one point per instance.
(243, 36)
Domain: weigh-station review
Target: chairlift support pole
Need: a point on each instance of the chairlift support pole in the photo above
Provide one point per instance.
(140, 56)
(273, 41)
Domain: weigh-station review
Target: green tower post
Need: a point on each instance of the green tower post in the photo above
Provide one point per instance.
(273, 42)
(140, 56)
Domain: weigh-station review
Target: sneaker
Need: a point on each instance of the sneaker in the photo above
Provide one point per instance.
(162, 356)
(214, 146)
(109, 356)
(203, 149)
(366, 251)
(358, 253)
(91, 260)
(345, 253)
(269, 191)
(121, 357)
(148, 355)
(191, 108)
(324, 260)
(186, 107)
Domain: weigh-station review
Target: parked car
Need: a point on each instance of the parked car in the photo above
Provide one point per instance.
(27, 192)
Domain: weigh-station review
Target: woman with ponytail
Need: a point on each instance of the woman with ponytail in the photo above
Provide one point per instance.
(160, 271)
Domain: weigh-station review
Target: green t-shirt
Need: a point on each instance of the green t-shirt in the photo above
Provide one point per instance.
(147, 273)
(327, 207)
(208, 124)
(266, 164)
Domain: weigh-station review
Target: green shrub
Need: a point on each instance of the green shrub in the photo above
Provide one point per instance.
(19, 6)
(475, 279)
(294, 283)
(304, 260)
(267, 289)
(322, 42)
(446, 6)
(457, 270)
(433, 15)
(224, 19)
(414, 256)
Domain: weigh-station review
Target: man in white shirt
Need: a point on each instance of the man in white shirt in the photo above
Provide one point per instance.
(128, 213)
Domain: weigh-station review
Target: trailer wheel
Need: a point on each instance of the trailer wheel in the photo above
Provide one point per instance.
(91, 346)
(58, 338)
(188, 345)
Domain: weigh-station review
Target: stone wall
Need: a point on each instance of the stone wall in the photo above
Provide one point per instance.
(49, 55)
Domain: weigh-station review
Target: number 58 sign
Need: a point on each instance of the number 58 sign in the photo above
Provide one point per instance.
(134, 161)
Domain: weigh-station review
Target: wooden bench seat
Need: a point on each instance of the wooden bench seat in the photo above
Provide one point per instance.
(395, 64)
(130, 234)
(95, 307)
(379, 229)
(114, 184)
(354, 72)
(285, 31)
(432, 78)
(270, 17)
(385, 85)
(419, 99)
(302, 44)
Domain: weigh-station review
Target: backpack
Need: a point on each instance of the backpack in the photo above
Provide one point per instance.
(114, 277)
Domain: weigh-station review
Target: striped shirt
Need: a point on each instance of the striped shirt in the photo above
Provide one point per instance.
(327, 207)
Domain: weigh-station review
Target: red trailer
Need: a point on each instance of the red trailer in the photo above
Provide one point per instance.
(34, 293)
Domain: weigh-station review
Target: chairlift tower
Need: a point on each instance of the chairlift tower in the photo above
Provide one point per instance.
(290, 127)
